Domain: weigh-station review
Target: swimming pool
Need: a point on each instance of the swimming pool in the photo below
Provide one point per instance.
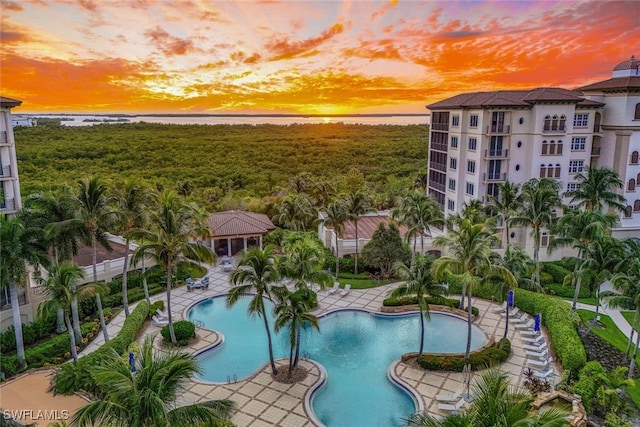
(355, 348)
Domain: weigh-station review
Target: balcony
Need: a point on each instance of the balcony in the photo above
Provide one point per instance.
(3, 137)
(496, 154)
(440, 126)
(438, 166)
(560, 130)
(595, 151)
(597, 128)
(5, 171)
(494, 177)
(437, 186)
(439, 147)
(7, 205)
(504, 129)
(5, 301)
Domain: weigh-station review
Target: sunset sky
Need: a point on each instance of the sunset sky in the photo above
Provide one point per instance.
(322, 57)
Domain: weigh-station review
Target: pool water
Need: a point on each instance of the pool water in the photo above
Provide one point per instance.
(355, 347)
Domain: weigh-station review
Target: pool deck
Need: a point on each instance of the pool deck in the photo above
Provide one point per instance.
(261, 401)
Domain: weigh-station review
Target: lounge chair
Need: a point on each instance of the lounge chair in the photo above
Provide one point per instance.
(455, 397)
(345, 291)
(542, 346)
(540, 363)
(162, 314)
(226, 264)
(451, 407)
(158, 321)
(545, 374)
(528, 331)
(336, 286)
(514, 311)
(205, 282)
(500, 309)
(524, 318)
(539, 354)
(539, 339)
(524, 326)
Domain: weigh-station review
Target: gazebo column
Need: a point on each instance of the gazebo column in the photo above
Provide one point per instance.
(229, 246)
(260, 240)
(244, 241)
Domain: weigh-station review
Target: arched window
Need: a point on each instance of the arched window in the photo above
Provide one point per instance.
(545, 147)
(638, 178)
(636, 116)
(559, 148)
(554, 122)
(636, 206)
(549, 170)
(632, 185)
(543, 171)
(563, 120)
(634, 158)
(547, 122)
(627, 212)
(557, 175)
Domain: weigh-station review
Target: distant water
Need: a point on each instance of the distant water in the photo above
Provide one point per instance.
(88, 120)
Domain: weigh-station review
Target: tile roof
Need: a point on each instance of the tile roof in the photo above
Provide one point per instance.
(8, 102)
(507, 98)
(239, 223)
(83, 258)
(367, 225)
(629, 82)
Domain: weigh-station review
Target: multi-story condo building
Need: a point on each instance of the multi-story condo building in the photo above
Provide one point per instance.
(482, 139)
(10, 201)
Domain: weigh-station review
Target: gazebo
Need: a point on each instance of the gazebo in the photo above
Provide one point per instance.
(231, 226)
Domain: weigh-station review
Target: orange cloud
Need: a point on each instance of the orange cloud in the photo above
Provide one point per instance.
(283, 48)
(11, 5)
(168, 44)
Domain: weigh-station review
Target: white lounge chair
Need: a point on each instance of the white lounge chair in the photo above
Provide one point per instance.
(545, 374)
(336, 286)
(540, 363)
(455, 397)
(162, 314)
(514, 311)
(500, 309)
(540, 347)
(524, 318)
(539, 339)
(538, 354)
(525, 326)
(158, 321)
(528, 332)
(346, 290)
(451, 407)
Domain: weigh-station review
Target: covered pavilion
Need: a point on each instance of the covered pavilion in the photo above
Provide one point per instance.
(229, 228)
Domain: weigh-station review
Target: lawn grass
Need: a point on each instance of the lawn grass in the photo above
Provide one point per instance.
(628, 315)
(610, 333)
(363, 283)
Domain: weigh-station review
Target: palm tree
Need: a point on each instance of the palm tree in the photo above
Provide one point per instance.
(133, 202)
(19, 246)
(168, 240)
(296, 212)
(60, 288)
(358, 203)
(148, 396)
(505, 204)
(419, 282)
(470, 261)
(303, 262)
(256, 273)
(495, 404)
(293, 311)
(335, 216)
(610, 385)
(598, 188)
(539, 199)
(418, 212)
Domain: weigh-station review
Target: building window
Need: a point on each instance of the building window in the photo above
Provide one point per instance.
(543, 171)
(455, 120)
(473, 121)
(557, 175)
(636, 206)
(493, 190)
(563, 121)
(470, 188)
(471, 166)
(451, 205)
(452, 184)
(576, 166)
(547, 122)
(473, 142)
(636, 116)
(453, 163)
(554, 122)
(454, 142)
(580, 120)
(552, 148)
(544, 239)
(578, 143)
(627, 212)
(573, 186)
(634, 158)
(631, 186)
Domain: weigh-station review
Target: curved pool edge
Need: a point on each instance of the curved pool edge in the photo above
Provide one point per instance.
(310, 394)
(403, 385)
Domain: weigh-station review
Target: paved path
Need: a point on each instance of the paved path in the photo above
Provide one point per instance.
(613, 313)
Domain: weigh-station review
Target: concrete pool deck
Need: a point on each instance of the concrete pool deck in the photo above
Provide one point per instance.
(261, 401)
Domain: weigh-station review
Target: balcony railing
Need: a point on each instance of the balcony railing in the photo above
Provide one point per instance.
(596, 128)
(595, 151)
(498, 129)
(495, 177)
(5, 302)
(496, 153)
(439, 147)
(439, 126)
(437, 186)
(438, 166)
(3, 137)
(7, 205)
(558, 130)
(5, 170)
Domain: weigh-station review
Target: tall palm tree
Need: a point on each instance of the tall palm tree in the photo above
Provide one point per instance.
(470, 260)
(418, 212)
(148, 396)
(293, 311)
(505, 204)
(336, 215)
(133, 201)
(419, 282)
(608, 394)
(496, 403)
(168, 241)
(61, 289)
(598, 189)
(19, 246)
(303, 263)
(358, 203)
(256, 273)
(539, 199)
(296, 212)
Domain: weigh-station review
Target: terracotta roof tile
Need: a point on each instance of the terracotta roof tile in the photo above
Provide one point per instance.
(506, 98)
(8, 102)
(630, 82)
(367, 225)
(239, 223)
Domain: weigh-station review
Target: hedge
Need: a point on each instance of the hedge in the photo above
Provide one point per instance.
(557, 272)
(588, 383)
(561, 324)
(73, 377)
(481, 359)
(184, 330)
(32, 332)
(412, 300)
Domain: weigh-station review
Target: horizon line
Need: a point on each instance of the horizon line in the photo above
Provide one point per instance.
(225, 114)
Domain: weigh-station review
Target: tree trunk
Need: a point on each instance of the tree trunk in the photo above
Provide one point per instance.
(337, 257)
(60, 325)
(125, 270)
(17, 325)
(574, 305)
(94, 257)
(633, 328)
(75, 316)
(595, 319)
(468, 350)
(536, 258)
(506, 228)
(266, 326)
(297, 358)
(356, 262)
(632, 364)
(144, 283)
(421, 330)
(172, 333)
(72, 339)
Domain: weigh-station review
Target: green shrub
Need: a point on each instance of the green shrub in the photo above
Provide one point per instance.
(588, 383)
(73, 377)
(184, 331)
(39, 329)
(481, 359)
(155, 307)
(412, 300)
(566, 291)
(560, 323)
(555, 269)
